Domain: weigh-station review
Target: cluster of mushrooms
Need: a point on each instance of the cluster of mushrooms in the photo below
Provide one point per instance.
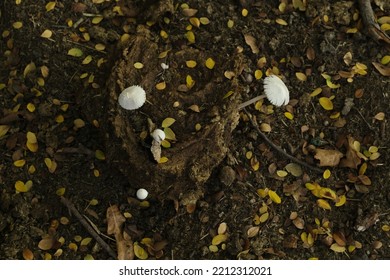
(134, 97)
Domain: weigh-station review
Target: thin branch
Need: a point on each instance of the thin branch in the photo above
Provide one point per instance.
(368, 16)
(88, 227)
(280, 150)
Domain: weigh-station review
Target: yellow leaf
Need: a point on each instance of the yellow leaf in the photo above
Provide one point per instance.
(31, 138)
(17, 25)
(85, 241)
(341, 200)
(163, 54)
(204, 20)
(60, 191)
(19, 163)
(337, 248)
(140, 252)
(326, 174)
(46, 34)
(138, 65)
(97, 19)
(281, 21)
(190, 37)
(191, 63)
(210, 63)
(386, 228)
(165, 144)
(316, 92)
(195, 21)
(100, 155)
(301, 76)
(100, 47)
(23, 187)
(59, 119)
(230, 23)
(163, 160)
(385, 60)
(289, 115)
(229, 93)
(262, 192)
(169, 134)
(167, 122)
(87, 59)
(323, 204)
(218, 239)
(258, 74)
(76, 52)
(274, 197)
(281, 173)
(244, 12)
(162, 85)
(331, 85)
(189, 82)
(4, 129)
(328, 193)
(50, 6)
(29, 68)
(264, 217)
(326, 103)
(164, 34)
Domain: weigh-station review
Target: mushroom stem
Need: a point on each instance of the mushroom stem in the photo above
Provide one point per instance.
(250, 101)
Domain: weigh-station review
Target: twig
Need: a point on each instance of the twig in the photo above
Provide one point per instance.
(88, 227)
(280, 150)
(368, 16)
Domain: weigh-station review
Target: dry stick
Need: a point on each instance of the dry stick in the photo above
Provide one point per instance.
(280, 150)
(88, 227)
(368, 17)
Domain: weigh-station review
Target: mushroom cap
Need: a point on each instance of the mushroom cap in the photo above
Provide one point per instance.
(142, 194)
(276, 91)
(132, 98)
(158, 135)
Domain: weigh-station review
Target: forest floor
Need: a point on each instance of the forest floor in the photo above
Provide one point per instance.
(56, 57)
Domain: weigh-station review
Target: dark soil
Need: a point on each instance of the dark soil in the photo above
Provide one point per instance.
(222, 174)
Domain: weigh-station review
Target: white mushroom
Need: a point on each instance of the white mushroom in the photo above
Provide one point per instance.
(158, 135)
(275, 90)
(142, 194)
(132, 98)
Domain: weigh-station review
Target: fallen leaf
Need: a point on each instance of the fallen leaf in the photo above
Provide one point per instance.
(274, 197)
(251, 42)
(352, 159)
(115, 220)
(337, 248)
(384, 70)
(328, 157)
(218, 239)
(253, 231)
(76, 52)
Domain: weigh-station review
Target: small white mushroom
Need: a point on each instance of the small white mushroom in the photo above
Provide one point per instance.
(132, 98)
(142, 194)
(158, 135)
(275, 90)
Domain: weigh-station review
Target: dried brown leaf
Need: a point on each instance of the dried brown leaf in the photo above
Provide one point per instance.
(328, 157)
(352, 159)
(384, 70)
(115, 220)
(251, 42)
